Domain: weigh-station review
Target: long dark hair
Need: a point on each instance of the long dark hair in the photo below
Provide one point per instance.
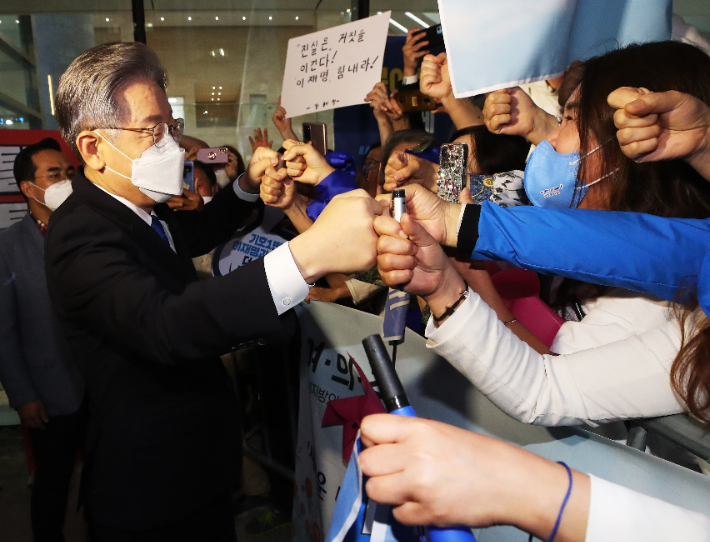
(671, 188)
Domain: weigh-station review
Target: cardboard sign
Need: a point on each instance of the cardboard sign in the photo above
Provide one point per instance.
(333, 68)
(494, 45)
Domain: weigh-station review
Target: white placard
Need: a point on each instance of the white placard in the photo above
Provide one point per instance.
(520, 41)
(333, 68)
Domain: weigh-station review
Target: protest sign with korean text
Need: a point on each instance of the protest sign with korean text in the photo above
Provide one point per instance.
(333, 68)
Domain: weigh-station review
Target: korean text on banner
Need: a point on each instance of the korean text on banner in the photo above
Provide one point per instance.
(494, 45)
(333, 68)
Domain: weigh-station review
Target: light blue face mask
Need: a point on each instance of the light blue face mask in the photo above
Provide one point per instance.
(551, 178)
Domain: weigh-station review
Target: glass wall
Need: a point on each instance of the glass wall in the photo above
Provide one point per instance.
(225, 58)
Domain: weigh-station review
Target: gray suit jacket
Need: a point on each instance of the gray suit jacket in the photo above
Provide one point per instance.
(31, 366)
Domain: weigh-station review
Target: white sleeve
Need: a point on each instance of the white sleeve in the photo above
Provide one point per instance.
(625, 379)
(286, 283)
(616, 315)
(619, 514)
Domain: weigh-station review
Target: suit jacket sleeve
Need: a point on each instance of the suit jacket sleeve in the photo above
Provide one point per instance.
(216, 223)
(100, 277)
(13, 370)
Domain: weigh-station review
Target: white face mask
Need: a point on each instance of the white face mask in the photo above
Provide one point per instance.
(222, 177)
(158, 172)
(55, 194)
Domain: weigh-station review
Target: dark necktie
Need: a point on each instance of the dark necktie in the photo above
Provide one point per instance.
(158, 227)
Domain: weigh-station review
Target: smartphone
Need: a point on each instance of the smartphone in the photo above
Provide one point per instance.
(433, 35)
(414, 100)
(188, 175)
(453, 171)
(214, 155)
(316, 132)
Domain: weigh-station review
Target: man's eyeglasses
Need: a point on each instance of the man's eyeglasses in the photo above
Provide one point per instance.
(57, 176)
(176, 130)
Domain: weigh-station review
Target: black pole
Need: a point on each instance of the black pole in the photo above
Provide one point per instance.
(138, 20)
(360, 9)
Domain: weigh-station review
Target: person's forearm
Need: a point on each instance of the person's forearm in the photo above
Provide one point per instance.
(480, 282)
(336, 279)
(288, 133)
(385, 127)
(543, 124)
(463, 112)
(630, 242)
(340, 291)
(296, 213)
(536, 490)
(401, 123)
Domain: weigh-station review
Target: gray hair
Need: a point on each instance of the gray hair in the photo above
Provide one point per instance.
(88, 92)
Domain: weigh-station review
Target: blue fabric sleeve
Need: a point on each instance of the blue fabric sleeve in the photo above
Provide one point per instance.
(641, 252)
(336, 183)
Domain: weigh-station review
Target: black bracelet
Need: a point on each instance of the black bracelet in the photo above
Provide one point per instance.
(450, 310)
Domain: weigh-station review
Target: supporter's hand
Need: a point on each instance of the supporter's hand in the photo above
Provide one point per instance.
(33, 415)
(189, 201)
(409, 257)
(342, 240)
(262, 159)
(260, 139)
(465, 196)
(510, 111)
(283, 124)
(660, 125)
(329, 295)
(403, 168)
(440, 218)
(434, 77)
(191, 155)
(231, 168)
(437, 474)
(277, 188)
(413, 50)
(305, 164)
(383, 106)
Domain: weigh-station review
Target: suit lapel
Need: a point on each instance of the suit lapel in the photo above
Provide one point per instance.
(145, 236)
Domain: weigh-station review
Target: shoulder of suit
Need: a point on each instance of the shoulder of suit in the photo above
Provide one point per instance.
(79, 221)
(10, 235)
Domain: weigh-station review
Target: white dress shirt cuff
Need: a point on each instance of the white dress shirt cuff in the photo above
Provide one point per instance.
(410, 79)
(287, 286)
(241, 194)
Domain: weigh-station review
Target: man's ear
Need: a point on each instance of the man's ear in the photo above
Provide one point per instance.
(27, 189)
(88, 144)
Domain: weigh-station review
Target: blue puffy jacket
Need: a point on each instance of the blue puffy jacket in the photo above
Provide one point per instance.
(641, 252)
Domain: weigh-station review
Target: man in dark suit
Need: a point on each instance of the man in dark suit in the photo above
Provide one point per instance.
(43, 386)
(162, 445)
